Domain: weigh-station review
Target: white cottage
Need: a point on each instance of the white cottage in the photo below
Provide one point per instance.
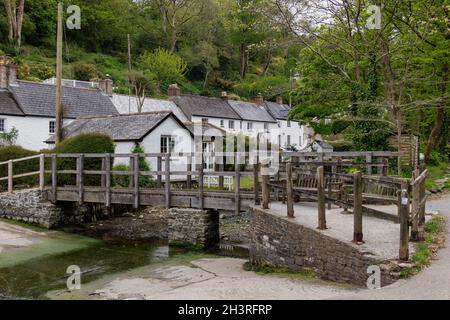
(30, 107)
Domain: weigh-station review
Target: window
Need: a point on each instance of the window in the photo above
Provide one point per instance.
(2, 125)
(231, 124)
(222, 123)
(204, 120)
(288, 140)
(288, 123)
(300, 141)
(167, 144)
(51, 127)
(279, 124)
(279, 140)
(266, 127)
(249, 126)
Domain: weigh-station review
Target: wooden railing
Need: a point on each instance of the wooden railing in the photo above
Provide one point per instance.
(11, 176)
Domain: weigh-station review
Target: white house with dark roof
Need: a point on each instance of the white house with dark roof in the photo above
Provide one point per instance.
(30, 107)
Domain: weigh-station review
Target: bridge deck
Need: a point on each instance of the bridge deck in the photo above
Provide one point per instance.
(185, 198)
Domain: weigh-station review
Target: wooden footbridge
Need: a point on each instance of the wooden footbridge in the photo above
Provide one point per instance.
(320, 177)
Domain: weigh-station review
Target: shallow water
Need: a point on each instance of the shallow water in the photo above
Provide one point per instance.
(32, 272)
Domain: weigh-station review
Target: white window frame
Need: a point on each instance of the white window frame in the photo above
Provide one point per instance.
(288, 140)
(288, 124)
(2, 125)
(205, 120)
(169, 145)
(222, 123)
(231, 124)
(52, 125)
(249, 126)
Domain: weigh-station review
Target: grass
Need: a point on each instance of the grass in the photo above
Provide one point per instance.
(436, 172)
(423, 253)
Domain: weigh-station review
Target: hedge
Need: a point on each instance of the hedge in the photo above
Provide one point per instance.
(15, 152)
(83, 143)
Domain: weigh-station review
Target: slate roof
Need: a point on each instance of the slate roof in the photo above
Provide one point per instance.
(278, 111)
(38, 99)
(193, 105)
(127, 104)
(129, 127)
(8, 105)
(251, 111)
(192, 127)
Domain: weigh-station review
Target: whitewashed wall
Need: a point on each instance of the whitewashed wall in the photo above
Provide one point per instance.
(33, 131)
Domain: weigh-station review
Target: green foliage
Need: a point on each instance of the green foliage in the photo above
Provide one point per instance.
(144, 181)
(16, 152)
(9, 137)
(83, 143)
(121, 180)
(84, 71)
(163, 67)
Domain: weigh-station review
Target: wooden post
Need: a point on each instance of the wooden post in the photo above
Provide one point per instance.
(108, 180)
(385, 167)
(159, 169)
(103, 181)
(132, 169)
(42, 171)
(201, 202)
(221, 177)
(80, 182)
(415, 207)
(136, 180)
(265, 186)
(404, 223)
(237, 183)
(289, 191)
(10, 176)
(189, 169)
(380, 166)
(357, 208)
(422, 195)
(330, 191)
(167, 180)
(256, 183)
(321, 198)
(369, 163)
(54, 177)
(58, 104)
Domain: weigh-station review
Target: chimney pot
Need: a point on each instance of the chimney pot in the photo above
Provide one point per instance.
(173, 91)
(224, 95)
(12, 74)
(280, 100)
(259, 99)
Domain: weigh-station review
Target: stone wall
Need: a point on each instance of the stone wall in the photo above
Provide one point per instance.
(30, 206)
(280, 242)
(195, 227)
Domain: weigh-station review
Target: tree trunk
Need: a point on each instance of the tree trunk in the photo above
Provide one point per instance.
(439, 115)
(14, 15)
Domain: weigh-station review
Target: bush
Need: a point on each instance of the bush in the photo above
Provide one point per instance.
(84, 71)
(16, 152)
(83, 143)
(120, 180)
(144, 181)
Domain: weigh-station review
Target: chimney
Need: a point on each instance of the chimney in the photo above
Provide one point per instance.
(8, 75)
(280, 100)
(106, 86)
(173, 91)
(259, 99)
(12, 74)
(224, 95)
(3, 76)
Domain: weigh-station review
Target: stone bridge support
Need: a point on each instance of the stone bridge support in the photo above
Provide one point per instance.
(194, 227)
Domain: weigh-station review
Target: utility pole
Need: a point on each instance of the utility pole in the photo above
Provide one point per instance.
(59, 45)
(129, 73)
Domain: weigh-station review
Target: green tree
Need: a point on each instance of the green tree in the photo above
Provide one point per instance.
(164, 67)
